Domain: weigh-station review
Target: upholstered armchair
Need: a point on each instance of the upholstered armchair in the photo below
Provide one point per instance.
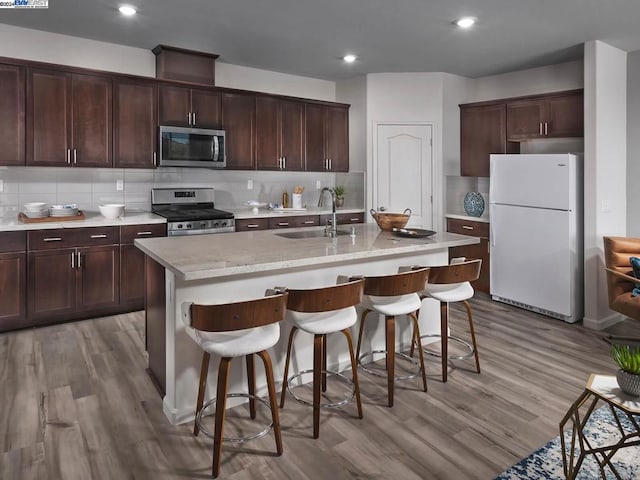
(620, 279)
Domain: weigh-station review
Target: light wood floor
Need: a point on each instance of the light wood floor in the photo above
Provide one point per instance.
(76, 403)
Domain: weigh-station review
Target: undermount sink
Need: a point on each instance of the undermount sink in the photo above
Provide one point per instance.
(308, 234)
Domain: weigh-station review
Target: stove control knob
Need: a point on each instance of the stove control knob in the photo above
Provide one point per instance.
(179, 225)
(203, 224)
(216, 224)
(188, 225)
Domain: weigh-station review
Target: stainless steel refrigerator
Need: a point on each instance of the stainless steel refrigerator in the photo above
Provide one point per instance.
(536, 233)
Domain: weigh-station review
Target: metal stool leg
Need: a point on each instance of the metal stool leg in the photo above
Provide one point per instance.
(286, 367)
(324, 363)
(473, 334)
(318, 347)
(275, 417)
(354, 369)
(390, 327)
(444, 332)
(251, 380)
(221, 400)
(204, 371)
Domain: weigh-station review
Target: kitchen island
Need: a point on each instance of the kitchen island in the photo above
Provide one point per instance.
(241, 266)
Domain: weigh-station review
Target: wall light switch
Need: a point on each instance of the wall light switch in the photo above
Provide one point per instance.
(119, 185)
(318, 185)
(249, 184)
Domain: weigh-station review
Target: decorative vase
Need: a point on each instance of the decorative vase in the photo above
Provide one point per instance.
(339, 202)
(473, 204)
(629, 383)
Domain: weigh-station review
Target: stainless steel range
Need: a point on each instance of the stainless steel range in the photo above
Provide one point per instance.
(189, 211)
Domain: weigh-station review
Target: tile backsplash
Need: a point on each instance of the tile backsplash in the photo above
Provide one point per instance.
(91, 187)
(457, 187)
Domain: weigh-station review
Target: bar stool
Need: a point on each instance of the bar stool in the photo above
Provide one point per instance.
(393, 295)
(320, 312)
(235, 330)
(447, 284)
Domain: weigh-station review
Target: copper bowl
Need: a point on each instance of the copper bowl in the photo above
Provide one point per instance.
(389, 221)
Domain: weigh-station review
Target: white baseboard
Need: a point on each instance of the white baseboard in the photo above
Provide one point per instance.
(602, 323)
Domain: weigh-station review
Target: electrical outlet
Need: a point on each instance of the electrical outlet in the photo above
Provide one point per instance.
(605, 206)
(318, 185)
(249, 184)
(119, 185)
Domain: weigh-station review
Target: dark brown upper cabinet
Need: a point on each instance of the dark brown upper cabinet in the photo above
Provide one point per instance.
(69, 119)
(279, 134)
(239, 123)
(550, 116)
(12, 115)
(189, 107)
(135, 112)
(327, 138)
(482, 132)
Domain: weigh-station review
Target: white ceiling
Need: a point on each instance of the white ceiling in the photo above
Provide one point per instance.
(308, 37)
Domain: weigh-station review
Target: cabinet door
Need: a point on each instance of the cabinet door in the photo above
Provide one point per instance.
(292, 134)
(525, 119)
(135, 120)
(238, 120)
(92, 121)
(48, 118)
(205, 109)
(12, 115)
(338, 139)
(131, 276)
(268, 145)
(12, 290)
(566, 116)
(98, 278)
(174, 105)
(479, 250)
(482, 132)
(315, 137)
(51, 282)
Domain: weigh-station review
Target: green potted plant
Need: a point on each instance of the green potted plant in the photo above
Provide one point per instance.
(628, 359)
(338, 190)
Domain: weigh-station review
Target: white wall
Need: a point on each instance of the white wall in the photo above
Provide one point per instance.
(455, 91)
(605, 200)
(354, 92)
(551, 78)
(633, 144)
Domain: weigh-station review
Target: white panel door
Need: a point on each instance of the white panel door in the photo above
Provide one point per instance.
(531, 257)
(403, 171)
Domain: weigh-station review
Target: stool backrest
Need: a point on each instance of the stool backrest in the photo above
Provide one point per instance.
(228, 317)
(411, 281)
(326, 299)
(468, 271)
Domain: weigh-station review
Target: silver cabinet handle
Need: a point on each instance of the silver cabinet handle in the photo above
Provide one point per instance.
(253, 225)
(155, 161)
(68, 156)
(144, 233)
(79, 260)
(284, 163)
(52, 239)
(100, 235)
(73, 260)
(540, 128)
(467, 227)
(279, 163)
(194, 119)
(354, 219)
(309, 222)
(546, 128)
(330, 164)
(189, 119)
(75, 156)
(283, 224)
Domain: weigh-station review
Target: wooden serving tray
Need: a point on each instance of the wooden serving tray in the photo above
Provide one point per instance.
(24, 219)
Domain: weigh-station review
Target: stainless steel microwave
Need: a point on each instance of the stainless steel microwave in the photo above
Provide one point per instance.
(192, 147)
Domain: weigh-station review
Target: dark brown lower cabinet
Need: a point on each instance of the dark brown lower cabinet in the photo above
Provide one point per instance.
(51, 285)
(478, 250)
(98, 278)
(12, 290)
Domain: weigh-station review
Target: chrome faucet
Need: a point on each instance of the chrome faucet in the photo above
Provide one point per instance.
(334, 226)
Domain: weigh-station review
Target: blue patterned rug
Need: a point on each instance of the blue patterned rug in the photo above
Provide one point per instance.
(546, 462)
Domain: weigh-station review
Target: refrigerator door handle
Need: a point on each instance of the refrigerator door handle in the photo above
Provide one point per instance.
(492, 224)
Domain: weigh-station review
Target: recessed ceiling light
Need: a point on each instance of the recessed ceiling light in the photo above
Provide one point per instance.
(465, 22)
(350, 58)
(127, 10)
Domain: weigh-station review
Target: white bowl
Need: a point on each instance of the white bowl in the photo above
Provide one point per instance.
(35, 206)
(111, 210)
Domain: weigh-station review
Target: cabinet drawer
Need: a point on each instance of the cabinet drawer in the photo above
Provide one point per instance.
(292, 222)
(343, 218)
(128, 233)
(13, 242)
(467, 227)
(72, 237)
(249, 224)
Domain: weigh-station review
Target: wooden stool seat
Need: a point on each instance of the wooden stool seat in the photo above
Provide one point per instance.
(320, 312)
(394, 295)
(234, 330)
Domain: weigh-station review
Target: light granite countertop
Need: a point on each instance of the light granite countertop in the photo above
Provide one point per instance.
(483, 219)
(246, 212)
(92, 219)
(209, 256)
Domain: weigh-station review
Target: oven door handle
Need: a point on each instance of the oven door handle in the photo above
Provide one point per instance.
(215, 148)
